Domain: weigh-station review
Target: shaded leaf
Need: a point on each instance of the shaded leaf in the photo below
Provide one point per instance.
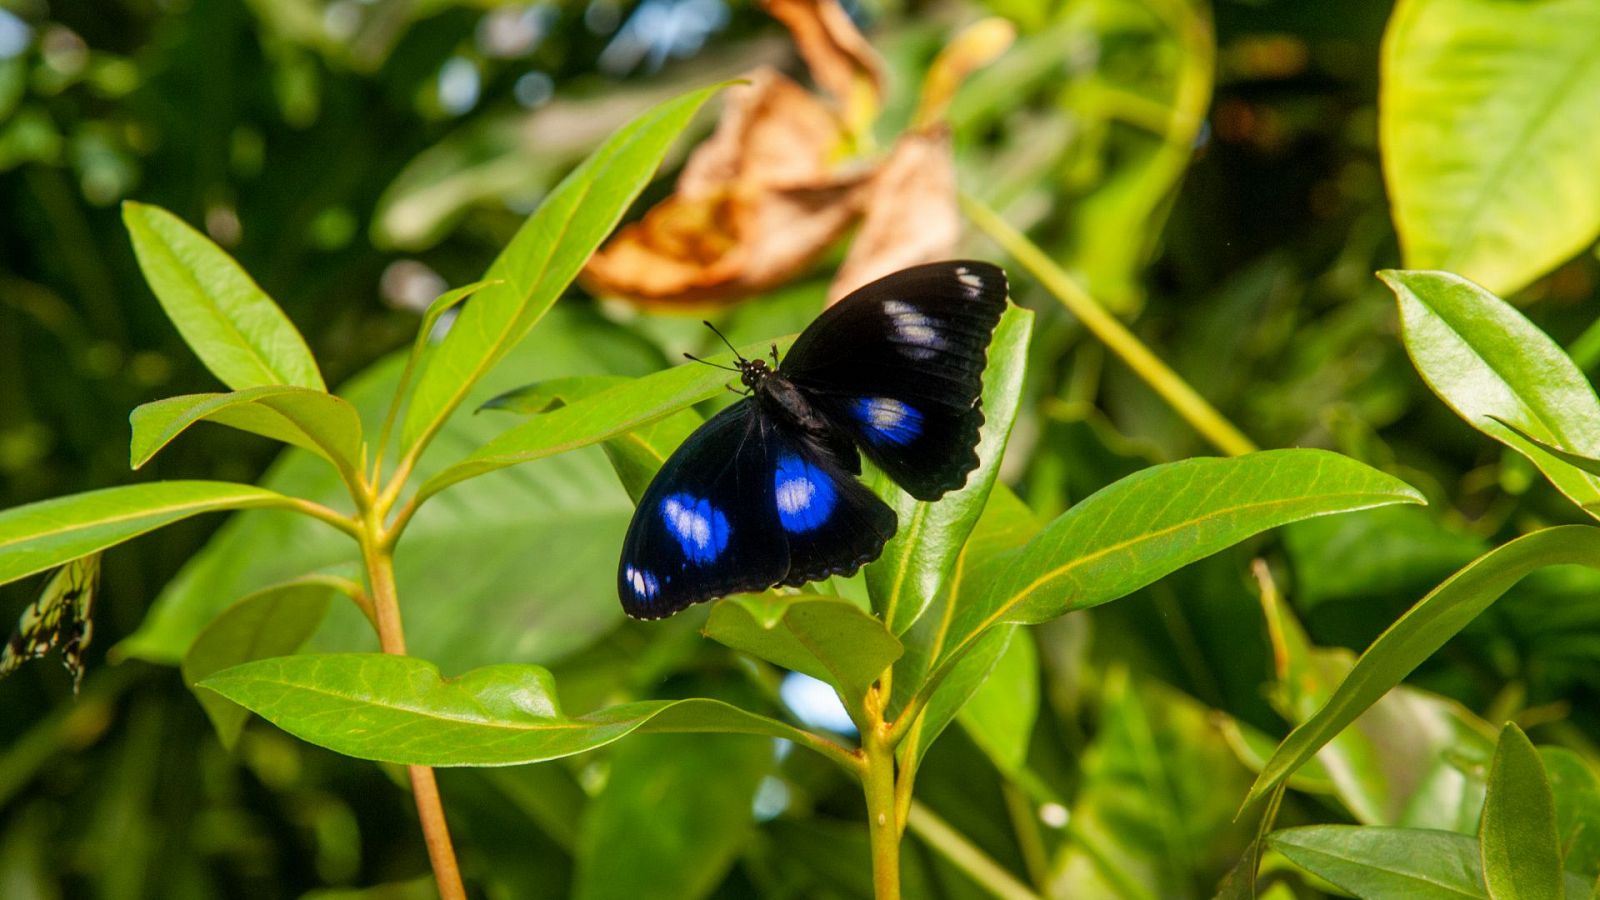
(825, 637)
(226, 319)
(399, 709)
(1577, 793)
(271, 622)
(1377, 862)
(917, 562)
(1488, 114)
(541, 260)
(695, 793)
(40, 535)
(1517, 838)
(551, 393)
(1487, 361)
(1422, 631)
(999, 715)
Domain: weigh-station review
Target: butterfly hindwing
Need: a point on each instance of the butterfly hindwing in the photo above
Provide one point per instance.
(707, 525)
(833, 524)
(898, 365)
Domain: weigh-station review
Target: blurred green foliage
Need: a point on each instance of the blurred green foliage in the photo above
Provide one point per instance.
(1210, 173)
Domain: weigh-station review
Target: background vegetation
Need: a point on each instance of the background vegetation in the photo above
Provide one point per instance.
(1210, 174)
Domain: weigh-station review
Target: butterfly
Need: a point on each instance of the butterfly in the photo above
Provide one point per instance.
(61, 617)
(765, 492)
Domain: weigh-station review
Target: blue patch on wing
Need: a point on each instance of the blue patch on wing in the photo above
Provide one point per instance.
(701, 529)
(644, 583)
(805, 495)
(887, 420)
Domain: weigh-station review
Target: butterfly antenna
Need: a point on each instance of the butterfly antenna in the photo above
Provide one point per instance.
(724, 339)
(711, 364)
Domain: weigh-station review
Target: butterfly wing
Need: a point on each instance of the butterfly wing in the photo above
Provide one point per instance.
(898, 365)
(706, 526)
(744, 504)
(62, 617)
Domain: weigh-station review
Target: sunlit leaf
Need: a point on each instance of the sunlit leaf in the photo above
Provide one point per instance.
(1160, 519)
(1517, 838)
(1488, 362)
(399, 709)
(226, 319)
(1488, 115)
(40, 535)
(542, 259)
(315, 420)
(917, 561)
(1378, 862)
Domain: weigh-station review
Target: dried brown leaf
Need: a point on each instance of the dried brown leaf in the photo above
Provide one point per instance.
(911, 213)
(839, 57)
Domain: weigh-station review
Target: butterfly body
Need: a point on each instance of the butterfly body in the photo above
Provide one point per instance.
(765, 493)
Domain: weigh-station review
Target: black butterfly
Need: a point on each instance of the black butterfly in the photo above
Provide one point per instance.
(61, 617)
(764, 493)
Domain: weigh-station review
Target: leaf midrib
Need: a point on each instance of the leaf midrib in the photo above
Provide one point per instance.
(265, 496)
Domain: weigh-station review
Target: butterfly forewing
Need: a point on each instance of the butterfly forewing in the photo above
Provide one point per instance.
(898, 365)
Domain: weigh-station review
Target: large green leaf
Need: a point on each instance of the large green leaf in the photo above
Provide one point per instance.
(1520, 848)
(227, 320)
(399, 709)
(695, 791)
(1489, 113)
(518, 566)
(999, 715)
(1155, 521)
(40, 535)
(268, 623)
(1422, 631)
(543, 258)
(1487, 361)
(917, 561)
(597, 417)
(825, 637)
(315, 420)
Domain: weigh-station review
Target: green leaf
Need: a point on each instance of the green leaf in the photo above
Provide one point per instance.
(40, 535)
(1422, 631)
(636, 456)
(695, 791)
(595, 418)
(1488, 116)
(543, 258)
(430, 319)
(226, 319)
(527, 556)
(1155, 521)
(272, 622)
(825, 637)
(917, 561)
(314, 420)
(1487, 361)
(1576, 786)
(999, 715)
(399, 709)
(1520, 848)
(1587, 463)
(1380, 863)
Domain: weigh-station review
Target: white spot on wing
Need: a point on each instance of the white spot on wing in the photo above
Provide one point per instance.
(689, 524)
(968, 278)
(795, 495)
(915, 329)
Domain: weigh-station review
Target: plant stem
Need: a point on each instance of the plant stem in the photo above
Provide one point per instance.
(883, 825)
(1184, 400)
(377, 554)
(956, 848)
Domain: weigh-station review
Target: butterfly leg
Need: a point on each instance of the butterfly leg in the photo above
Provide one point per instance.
(774, 356)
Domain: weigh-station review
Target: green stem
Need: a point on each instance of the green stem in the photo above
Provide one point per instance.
(953, 846)
(1171, 387)
(878, 781)
(376, 551)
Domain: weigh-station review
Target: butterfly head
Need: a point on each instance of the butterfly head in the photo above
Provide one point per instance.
(753, 372)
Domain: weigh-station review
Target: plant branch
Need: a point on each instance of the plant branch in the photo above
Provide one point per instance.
(424, 788)
(953, 846)
(883, 826)
(323, 514)
(1171, 387)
